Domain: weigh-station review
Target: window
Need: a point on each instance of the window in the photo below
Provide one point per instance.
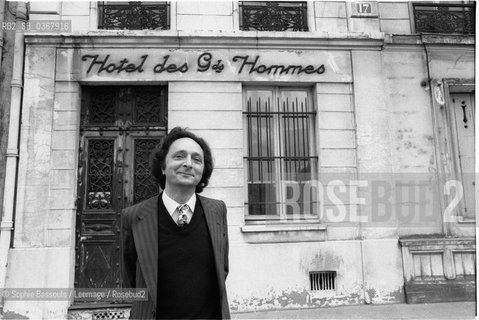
(273, 16)
(134, 15)
(444, 18)
(322, 280)
(280, 153)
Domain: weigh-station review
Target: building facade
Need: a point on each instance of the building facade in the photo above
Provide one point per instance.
(342, 132)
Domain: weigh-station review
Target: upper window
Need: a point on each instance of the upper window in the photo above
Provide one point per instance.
(273, 16)
(444, 18)
(280, 156)
(126, 107)
(134, 15)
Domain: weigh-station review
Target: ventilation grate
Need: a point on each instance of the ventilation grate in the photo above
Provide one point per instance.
(322, 280)
(107, 315)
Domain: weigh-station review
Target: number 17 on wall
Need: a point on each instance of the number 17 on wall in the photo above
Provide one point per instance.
(363, 7)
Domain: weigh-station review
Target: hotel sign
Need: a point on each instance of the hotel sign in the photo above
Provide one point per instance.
(204, 63)
(195, 65)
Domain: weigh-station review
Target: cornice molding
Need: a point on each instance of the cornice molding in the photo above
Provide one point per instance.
(210, 40)
(431, 39)
(434, 43)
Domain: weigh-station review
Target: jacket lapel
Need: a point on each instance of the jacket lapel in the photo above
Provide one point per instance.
(215, 226)
(145, 233)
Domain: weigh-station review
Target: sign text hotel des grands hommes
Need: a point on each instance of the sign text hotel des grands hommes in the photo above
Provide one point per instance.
(102, 64)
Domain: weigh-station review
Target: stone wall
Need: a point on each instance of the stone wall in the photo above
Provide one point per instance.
(374, 116)
(331, 17)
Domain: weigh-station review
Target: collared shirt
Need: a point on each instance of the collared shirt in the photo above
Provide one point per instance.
(172, 206)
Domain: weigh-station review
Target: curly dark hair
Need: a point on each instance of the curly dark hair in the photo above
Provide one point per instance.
(158, 156)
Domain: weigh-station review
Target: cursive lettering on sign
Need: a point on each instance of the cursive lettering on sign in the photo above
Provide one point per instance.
(123, 65)
(170, 68)
(254, 66)
(204, 63)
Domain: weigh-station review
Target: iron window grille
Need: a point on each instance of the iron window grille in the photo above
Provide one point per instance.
(444, 18)
(273, 16)
(108, 315)
(281, 161)
(109, 107)
(134, 15)
(322, 280)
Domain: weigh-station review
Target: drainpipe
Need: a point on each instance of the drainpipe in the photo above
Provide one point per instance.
(6, 224)
(2, 18)
(446, 230)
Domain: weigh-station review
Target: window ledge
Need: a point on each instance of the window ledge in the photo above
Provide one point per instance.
(274, 233)
(282, 227)
(463, 220)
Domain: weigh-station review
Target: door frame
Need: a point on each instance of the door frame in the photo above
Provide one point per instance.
(446, 151)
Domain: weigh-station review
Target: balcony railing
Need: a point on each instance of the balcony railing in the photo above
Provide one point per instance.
(134, 15)
(444, 18)
(273, 16)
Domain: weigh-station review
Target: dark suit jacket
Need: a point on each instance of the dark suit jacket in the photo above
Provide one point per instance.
(140, 251)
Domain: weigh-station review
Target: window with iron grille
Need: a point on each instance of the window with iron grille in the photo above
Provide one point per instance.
(444, 18)
(273, 16)
(322, 280)
(280, 156)
(134, 15)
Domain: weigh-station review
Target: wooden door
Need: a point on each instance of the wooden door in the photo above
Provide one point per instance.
(120, 126)
(464, 112)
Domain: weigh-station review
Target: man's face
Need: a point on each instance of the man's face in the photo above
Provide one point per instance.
(184, 164)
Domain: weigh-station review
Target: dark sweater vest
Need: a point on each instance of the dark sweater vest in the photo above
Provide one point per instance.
(187, 282)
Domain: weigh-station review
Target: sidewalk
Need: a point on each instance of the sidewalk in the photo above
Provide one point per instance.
(449, 310)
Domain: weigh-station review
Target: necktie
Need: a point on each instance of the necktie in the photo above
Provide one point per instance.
(182, 216)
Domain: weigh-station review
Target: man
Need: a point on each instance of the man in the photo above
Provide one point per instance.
(176, 244)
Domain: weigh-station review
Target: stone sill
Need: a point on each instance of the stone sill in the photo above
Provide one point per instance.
(281, 227)
(463, 220)
(276, 233)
